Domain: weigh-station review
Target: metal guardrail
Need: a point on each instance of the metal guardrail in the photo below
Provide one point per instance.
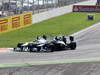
(12, 7)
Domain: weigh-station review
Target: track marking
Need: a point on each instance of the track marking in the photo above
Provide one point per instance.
(51, 62)
(5, 49)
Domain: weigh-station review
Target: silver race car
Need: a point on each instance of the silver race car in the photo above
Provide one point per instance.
(42, 44)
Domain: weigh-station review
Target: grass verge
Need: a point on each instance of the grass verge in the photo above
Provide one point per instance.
(65, 24)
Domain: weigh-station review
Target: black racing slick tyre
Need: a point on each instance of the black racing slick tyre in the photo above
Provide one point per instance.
(38, 49)
(14, 49)
(50, 50)
(73, 45)
(71, 38)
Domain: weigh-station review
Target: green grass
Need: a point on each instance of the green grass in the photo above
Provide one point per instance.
(65, 24)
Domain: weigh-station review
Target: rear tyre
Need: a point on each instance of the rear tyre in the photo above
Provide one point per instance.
(50, 50)
(38, 49)
(47, 49)
(73, 45)
(30, 49)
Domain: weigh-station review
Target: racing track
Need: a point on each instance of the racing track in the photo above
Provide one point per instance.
(88, 47)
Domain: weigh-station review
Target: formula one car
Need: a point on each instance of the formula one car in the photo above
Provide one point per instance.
(58, 43)
(32, 46)
(61, 43)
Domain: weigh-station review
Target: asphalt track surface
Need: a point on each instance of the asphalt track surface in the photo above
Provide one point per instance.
(56, 69)
(88, 47)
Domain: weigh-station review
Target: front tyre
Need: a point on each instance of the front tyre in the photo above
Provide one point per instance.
(48, 48)
(14, 49)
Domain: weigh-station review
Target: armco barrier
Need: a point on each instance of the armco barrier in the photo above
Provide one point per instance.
(15, 22)
(86, 8)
